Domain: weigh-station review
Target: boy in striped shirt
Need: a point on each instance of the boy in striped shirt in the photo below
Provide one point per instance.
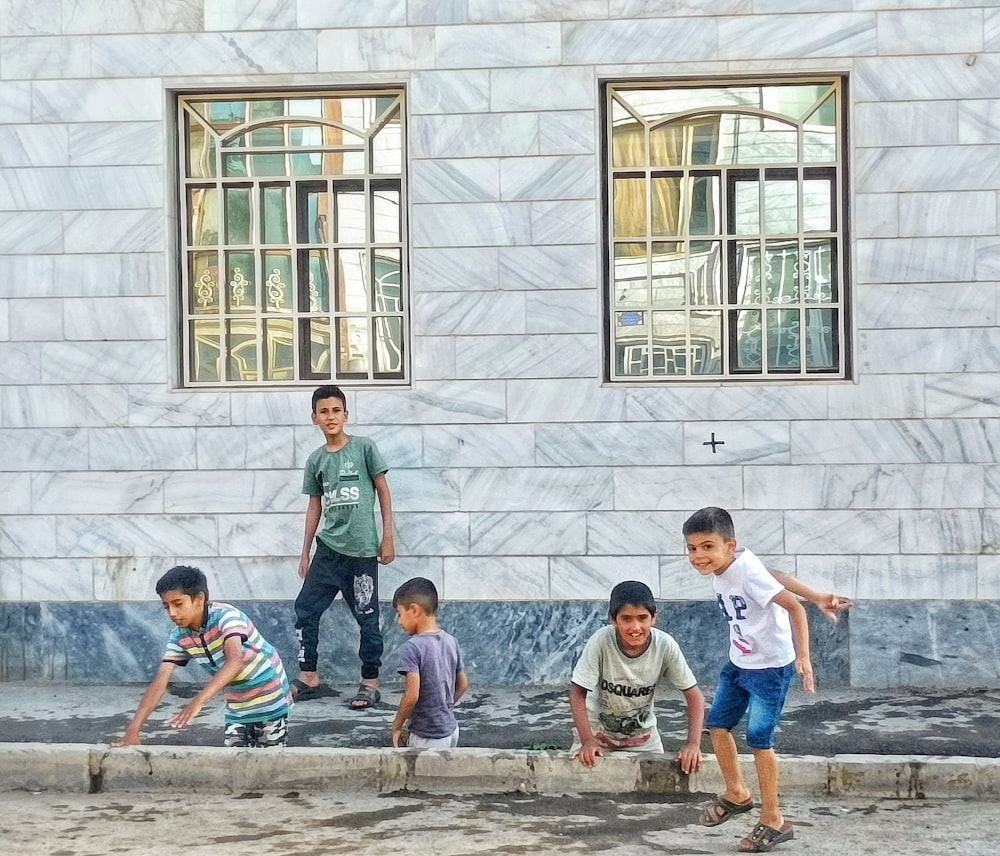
(245, 667)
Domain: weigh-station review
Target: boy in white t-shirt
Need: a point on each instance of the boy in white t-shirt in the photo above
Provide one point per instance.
(611, 694)
(768, 644)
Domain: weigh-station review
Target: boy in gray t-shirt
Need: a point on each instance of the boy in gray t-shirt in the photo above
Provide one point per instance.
(432, 664)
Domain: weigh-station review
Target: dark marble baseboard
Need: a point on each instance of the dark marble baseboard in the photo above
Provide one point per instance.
(504, 643)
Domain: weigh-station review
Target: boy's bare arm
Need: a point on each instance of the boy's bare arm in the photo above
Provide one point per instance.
(150, 699)
(387, 547)
(829, 604)
(461, 683)
(690, 753)
(406, 704)
(800, 635)
(314, 511)
(233, 652)
(590, 750)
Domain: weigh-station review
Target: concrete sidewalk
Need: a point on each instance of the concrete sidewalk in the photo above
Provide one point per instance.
(877, 744)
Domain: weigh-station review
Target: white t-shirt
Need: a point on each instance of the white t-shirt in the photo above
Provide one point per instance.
(620, 688)
(760, 634)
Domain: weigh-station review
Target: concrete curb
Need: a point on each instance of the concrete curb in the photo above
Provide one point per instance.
(85, 768)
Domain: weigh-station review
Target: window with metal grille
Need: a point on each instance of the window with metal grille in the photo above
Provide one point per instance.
(293, 238)
(726, 241)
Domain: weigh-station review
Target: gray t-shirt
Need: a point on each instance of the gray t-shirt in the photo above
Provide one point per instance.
(437, 659)
(344, 480)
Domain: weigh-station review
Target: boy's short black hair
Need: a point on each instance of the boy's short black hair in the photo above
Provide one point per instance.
(183, 578)
(420, 591)
(328, 391)
(631, 593)
(713, 520)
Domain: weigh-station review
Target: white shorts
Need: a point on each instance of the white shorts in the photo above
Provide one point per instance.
(415, 741)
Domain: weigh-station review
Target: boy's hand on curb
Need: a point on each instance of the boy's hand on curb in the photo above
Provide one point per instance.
(589, 752)
(399, 738)
(689, 758)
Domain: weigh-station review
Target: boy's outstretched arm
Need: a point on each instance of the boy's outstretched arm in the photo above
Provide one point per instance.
(387, 547)
(233, 652)
(590, 750)
(690, 753)
(800, 636)
(406, 704)
(150, 699)
(461, 684)
(829, 604)
(314, 511)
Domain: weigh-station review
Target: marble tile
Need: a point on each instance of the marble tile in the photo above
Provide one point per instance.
(942, 530)
(455, 180)
(208, 491)
(976, 397)
(536, 489)
(562, 222)
(235, 448)
(743, 442)
(987, 259)
(924, 31)
(103, 362)
(497, 46)
(123, 318)
(941, 169)
(551, 178)
(154, 406)
(15, 498)
(32, 320)
(452, 91)
(563, 400)
(839, 574)
(867, 486)
(113, 100)
(400, 445)
(567, 132)
(373, 49)
(95, 492)
(929, 644)
(549, 268)
(113, 231)
(126, 449)
(988, 577)
(678, 581)
(514, 90)
(944, 77)
(125, 16)
(431, 534)
(613, 445)
(20, 363)
(468, 313)
(254, 535)
(632, 41)
(763, 531)
(115, 143)
(424, 490)
(53, 579)
(33, 145)
(728, 403)
(435, 402)
(152, 55)
(23, 536)
(23, 232)
(487, 11)
(845, 532)
(15, 102)
(907, 123)
(958, 214)
(593, 577)
(539, 355)
(921, 260)
(69, 188)
(794, 36)
(94, 275)
(403, 568)
(478, 445)
(346, 13)
(562, 311)
(95, 405)
(239, 15)
(454, 269)
(432, 358)
(945, 351)
(876, 215)
(46, 57)
(527, 533)
(978, 121)
(278, 491)
(420, 12)
(676, 488)
(916, 305)
(635, 533)
(698, 8)
(991, 531)
(133, 578)
(4, 327)
(511, 578)
(30, 17)
(235, 580)
(43, 449)
(472, 224)
(270, 407)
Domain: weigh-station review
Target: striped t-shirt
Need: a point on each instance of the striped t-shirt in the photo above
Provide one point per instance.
(260, 691)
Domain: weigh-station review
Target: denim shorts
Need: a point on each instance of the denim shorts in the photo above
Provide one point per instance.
(761, 691)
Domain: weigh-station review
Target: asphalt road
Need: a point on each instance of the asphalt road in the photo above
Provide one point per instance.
(359, 824)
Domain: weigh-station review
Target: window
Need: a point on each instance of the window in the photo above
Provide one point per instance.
(293, 238)
(725, 229)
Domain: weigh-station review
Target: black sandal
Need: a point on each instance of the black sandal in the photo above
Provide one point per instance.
(364, 698)
(722, 809)
(765, 838)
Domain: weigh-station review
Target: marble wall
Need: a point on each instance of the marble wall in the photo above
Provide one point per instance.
(518, 477)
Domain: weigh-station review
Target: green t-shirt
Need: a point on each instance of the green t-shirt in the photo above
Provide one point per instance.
(344, 479)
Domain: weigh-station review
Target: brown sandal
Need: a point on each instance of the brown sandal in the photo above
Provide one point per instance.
(722, 809)
(765, 838)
